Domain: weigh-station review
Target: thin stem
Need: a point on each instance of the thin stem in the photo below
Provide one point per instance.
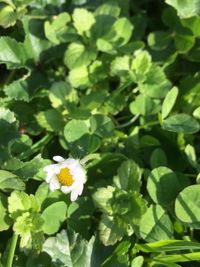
(119, 89)
(37, 17)
(128, 123)
(36, 147)
(191, 175)
(124, 117)
(89, 157)
(11, 251)
(152, 123)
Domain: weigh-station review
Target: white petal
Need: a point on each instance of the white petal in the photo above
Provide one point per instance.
(75, 169)
(74, 195)
(65, 189)
(58, 167)
(49, 177)
(79, 178)
(71, 163)
(54, 184)
(58, 159)
(78, 172)
(80, 190)
(49, 168)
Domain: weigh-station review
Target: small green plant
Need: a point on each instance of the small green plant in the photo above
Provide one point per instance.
(112, 87)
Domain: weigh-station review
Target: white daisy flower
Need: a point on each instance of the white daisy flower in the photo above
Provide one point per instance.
(68, 175)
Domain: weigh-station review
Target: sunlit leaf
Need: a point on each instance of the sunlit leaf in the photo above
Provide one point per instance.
(68, 248)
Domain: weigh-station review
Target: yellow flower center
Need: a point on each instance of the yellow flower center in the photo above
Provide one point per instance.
(65, 177)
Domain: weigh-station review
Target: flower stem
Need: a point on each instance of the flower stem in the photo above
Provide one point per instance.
(152, 123)
(36, 147)
(11, 251)
(89, 157)
(128, 123)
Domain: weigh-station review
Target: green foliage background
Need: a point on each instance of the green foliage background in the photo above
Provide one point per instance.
(120, 78)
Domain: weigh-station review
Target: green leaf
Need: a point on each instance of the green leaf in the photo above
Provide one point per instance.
(5, 221)
(46, 3)
(31, 169)
(105, 46)
(168, 245)
(112, 229)
(156, 225)
(75, 129)
(60, 21)
(61, 93)
(115, 104)
(58, 28)
(196, 113)
(169, 102)
(79, 77)
(185, 8)
(101, 125)
(185, 257)
(191, 155)
(85, 145)
(20, 202)
(24, 142)
(158, 158)
(9, 181)
(184, 40)
(156, 85)
(138, 261)
(102, 28)
(144, 105)
(187, 205)
(21, 144)
(42, 192)
(109, 8)
(131, 47)
(97, 71)
(93, 101)
(51, 120)
(129, 176)
(130, 206)
(79, 113)
(123, 29)
(53, 216)
(193, 24)
(120, 256)
(114, 37)
(12, 164)
(141, 65)
(79, 216)
(35, 43)
(8, 126)
(50, 33)
(27, 119)
(69, 249)
(149, 140)
(181, 123)
(120, 66)
(12, 53)
(77, 55)
(102, 196)
(159, 40)
(163, 186)
(171, 19)
(83, 20)
(41, 260)
(8, 16)
(25, 88)
(29, 227)
(190, 85)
